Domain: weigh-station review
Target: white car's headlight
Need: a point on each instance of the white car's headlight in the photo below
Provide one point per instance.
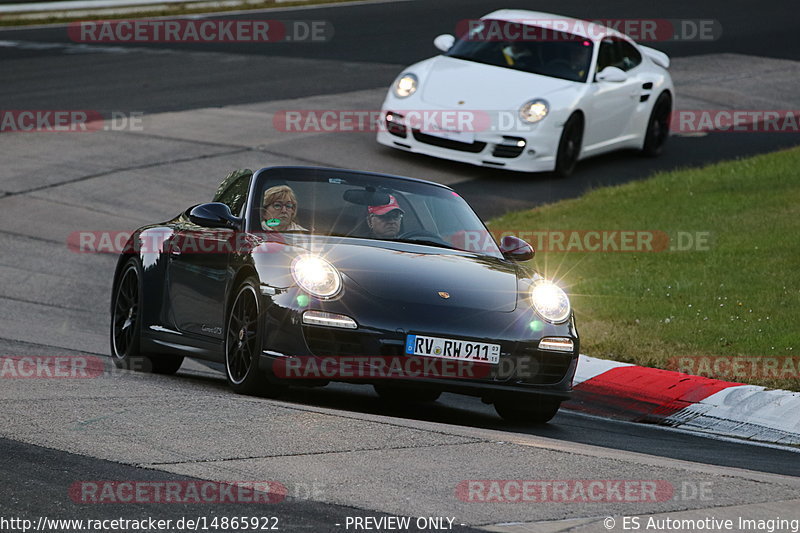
(550, 301)
(534, 110)
(316, 276)
(405, 86)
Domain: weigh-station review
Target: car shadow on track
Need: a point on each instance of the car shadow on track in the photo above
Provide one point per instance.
(567, 426)
(449, 409)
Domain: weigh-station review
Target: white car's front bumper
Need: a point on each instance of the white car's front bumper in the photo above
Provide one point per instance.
(531, 148)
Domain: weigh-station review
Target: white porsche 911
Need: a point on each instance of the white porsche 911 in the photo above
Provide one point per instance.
(530, 91)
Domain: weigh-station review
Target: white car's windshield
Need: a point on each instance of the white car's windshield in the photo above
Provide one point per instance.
(533, 49)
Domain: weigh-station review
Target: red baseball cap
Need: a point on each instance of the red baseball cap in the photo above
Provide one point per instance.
(383, 209)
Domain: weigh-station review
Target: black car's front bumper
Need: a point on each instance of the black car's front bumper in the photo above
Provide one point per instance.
(524, 367)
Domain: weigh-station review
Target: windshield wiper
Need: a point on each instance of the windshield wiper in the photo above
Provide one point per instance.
(437, 244)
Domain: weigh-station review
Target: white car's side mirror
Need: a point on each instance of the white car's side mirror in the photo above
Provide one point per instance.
(613, 74)
(444, 42)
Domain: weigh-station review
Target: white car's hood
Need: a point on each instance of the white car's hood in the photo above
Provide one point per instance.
(452, 81)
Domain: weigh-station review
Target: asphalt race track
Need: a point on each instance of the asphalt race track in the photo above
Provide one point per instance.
(208, 109)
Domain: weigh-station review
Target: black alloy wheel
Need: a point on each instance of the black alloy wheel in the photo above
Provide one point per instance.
(243, 342)
(569, 146)
(658, 126)
(125, 327)
(125, 317)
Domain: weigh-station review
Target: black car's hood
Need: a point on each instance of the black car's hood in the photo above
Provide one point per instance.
(405, 275)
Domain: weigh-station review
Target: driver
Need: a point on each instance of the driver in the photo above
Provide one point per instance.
(516, 53)
(280, 210)
(384, 220)
(579, 57)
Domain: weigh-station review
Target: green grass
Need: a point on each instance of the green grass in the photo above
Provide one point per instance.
(739, 296)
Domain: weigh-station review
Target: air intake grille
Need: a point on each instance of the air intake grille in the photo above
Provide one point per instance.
(510, 147)
(541, 368)
(328, 342)
(472, 148)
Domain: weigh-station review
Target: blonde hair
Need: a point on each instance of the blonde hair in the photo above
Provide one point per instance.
(273, 193)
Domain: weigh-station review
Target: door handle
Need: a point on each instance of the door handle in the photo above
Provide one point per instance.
(174, 248)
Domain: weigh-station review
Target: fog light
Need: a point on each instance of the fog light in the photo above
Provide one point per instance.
(394, 124)
(321, 318)
(517, 142)
(556, 344)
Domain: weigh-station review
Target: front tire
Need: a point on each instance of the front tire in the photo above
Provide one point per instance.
(126, 327)
(520, 411)
(658, 126)
(569, 146)
(243, 341)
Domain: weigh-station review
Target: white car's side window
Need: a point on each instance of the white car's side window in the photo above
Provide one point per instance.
(607, 56)
(618, 53)
(631, 57)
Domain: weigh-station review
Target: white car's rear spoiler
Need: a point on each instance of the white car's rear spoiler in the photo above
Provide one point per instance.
(659, 58)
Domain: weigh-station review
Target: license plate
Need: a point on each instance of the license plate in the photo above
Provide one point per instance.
(461, 136)
(452, 349)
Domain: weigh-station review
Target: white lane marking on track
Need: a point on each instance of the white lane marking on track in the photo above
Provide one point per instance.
(591, 367)
(218, 13)
(694, 433)
(76, 48)
(746, 411)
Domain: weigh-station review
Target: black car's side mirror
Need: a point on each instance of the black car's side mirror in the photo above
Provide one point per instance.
(515, 248)
(214, 215)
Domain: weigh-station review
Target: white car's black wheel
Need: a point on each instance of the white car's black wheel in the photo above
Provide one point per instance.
(569, 146)
(125, 327)
(524, 411)
(658, 126)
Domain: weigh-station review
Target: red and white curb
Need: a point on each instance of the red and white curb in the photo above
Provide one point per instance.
(629, 392)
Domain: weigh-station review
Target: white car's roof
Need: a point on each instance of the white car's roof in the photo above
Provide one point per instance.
(581, 28)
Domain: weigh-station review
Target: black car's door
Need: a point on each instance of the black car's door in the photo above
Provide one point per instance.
(200, 267)
(198, 274)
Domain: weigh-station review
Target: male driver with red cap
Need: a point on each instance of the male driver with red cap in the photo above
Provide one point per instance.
(384, 220)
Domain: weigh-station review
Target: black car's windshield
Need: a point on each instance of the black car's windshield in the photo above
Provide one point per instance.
(365, 206)
(527, 48)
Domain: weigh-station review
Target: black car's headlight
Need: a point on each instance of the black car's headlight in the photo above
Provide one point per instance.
(534, 110)
(550, 301)
(405, 86)
(316, 276)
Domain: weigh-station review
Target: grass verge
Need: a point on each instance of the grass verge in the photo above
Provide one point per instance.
(722, 296)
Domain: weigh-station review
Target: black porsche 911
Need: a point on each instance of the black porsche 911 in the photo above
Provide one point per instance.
(302, 276)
